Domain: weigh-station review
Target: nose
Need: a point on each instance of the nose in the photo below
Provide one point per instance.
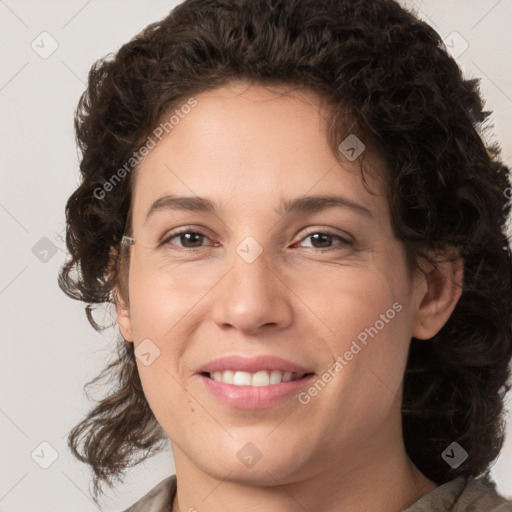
(252, 296)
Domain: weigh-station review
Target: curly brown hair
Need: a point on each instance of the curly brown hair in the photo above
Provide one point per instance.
(391, 81)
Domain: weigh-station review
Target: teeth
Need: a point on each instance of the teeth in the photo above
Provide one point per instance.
(275, 377)
(261, 378)
(287, 377)
(242, 379)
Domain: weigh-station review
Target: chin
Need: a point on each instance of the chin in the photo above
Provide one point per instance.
(258, 463)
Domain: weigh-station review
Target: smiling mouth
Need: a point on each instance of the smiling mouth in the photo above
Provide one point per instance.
(261, 378)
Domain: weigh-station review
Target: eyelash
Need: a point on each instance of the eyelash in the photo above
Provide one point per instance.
(166, 241)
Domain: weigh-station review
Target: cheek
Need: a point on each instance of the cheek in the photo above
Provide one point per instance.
(163, 296)
(153, 305)
(366, 312)
(165, 395)
(356, 301)
(156, 311)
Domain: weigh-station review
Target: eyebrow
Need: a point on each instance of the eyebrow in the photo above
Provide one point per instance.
(307, 204)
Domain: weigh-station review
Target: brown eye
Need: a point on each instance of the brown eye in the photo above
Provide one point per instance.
(187, 239)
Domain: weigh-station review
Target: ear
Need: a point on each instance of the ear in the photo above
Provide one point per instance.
(122, 308)
(123, 317)
(436, 297)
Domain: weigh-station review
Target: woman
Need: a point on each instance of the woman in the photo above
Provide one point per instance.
(303, 233)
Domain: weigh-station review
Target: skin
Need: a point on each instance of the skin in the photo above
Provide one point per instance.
(245, 147)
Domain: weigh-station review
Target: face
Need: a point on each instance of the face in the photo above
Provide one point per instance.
(313, 307)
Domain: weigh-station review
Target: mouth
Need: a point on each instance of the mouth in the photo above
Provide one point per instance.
(262, 378)
(256, 382)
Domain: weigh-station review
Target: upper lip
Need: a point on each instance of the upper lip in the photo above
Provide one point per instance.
(252, 364)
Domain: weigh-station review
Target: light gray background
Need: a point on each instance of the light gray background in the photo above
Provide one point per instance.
(48, 348)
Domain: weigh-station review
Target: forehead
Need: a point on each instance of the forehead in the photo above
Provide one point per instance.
(248, 143)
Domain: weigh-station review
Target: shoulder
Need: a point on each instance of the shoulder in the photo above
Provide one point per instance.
(158, 499)
(480, 494)
(458, 495)
(463, 495)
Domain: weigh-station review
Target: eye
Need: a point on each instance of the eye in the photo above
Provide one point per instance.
(321, 238)
(194, 239)
(189, 239)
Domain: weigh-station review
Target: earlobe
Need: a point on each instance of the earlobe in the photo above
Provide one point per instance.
(443, 290)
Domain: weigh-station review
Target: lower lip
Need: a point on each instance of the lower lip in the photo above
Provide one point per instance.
(254, 397)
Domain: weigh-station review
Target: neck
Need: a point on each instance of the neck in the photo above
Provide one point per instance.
(386, 481)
